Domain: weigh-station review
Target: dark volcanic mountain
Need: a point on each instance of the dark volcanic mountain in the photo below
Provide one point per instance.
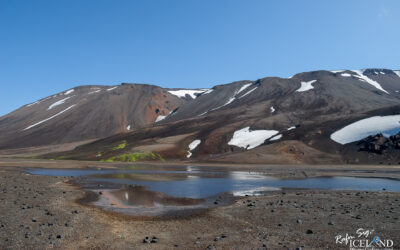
(312, 117)
(86, 112)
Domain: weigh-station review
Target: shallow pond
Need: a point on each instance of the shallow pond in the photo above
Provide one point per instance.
(201, 182)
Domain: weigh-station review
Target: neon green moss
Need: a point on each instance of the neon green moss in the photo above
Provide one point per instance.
(122, 145)
(132, 157)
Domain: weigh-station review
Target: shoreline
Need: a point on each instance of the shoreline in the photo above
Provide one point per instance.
(52, 216)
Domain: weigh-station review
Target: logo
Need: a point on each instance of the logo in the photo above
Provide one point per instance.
(364, 239)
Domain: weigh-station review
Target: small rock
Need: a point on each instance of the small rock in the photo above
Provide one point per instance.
(60, 236)
(299, 221)
(309, 231)
(154, 240)
(210, 247)
(331, 223)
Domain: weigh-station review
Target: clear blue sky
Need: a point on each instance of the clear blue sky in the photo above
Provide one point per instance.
(49, 46)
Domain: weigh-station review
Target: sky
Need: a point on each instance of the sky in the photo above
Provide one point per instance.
(48, 46)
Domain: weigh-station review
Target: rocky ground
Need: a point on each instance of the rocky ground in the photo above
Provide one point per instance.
(41, 212)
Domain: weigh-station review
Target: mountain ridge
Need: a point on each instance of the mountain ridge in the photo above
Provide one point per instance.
(303, 111)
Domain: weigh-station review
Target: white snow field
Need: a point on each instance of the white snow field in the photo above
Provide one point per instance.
(244, 138)
(160, 118)
(346, 75)
(112, 88)
(248, 92)
(93, 92)
(208, 91)
(192, 146)
(37, 102)
(58, 102)
(276, 137)
(244, 87)
(191, 92)
(397, 72)
(69, 91)
(305, 86)
(45, 120)
(337, 71)
(366, 127)
(361, 76)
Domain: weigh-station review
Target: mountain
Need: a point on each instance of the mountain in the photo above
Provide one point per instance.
(85, 112)
(313, 117)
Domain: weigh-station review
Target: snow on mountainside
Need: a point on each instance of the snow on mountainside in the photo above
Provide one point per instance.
(248, 139)
(85, 112)
(360, 74)
(305, 86)
(387, 125)
(312, 117)
(193, 93)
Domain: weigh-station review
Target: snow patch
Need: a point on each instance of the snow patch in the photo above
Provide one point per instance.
(244, 87)
(33, 103)
(397, 72)
(388, 125)
(112, 88)
(45, 120)
(337, 71)
(272, 109)
(276, 137)
(160, 118)
(192, 146)
(208, 91)
(69, 91)
(248, 92)
(128, 127)
(96, 91)
(291, 128)
(244, 138)
(360, 74)
(37, 102)
(191, 92)
(346, 75)
(305, 86)
(58, 103)
(228, 102)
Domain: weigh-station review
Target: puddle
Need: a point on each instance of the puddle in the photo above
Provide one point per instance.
(155, 190)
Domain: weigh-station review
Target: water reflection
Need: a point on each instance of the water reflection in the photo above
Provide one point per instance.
(196, 182)
(141, 196)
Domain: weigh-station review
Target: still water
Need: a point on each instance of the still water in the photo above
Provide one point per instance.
(202, 182)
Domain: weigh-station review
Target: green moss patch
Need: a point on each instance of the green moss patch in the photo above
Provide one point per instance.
(122, 145)
(132, 157)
